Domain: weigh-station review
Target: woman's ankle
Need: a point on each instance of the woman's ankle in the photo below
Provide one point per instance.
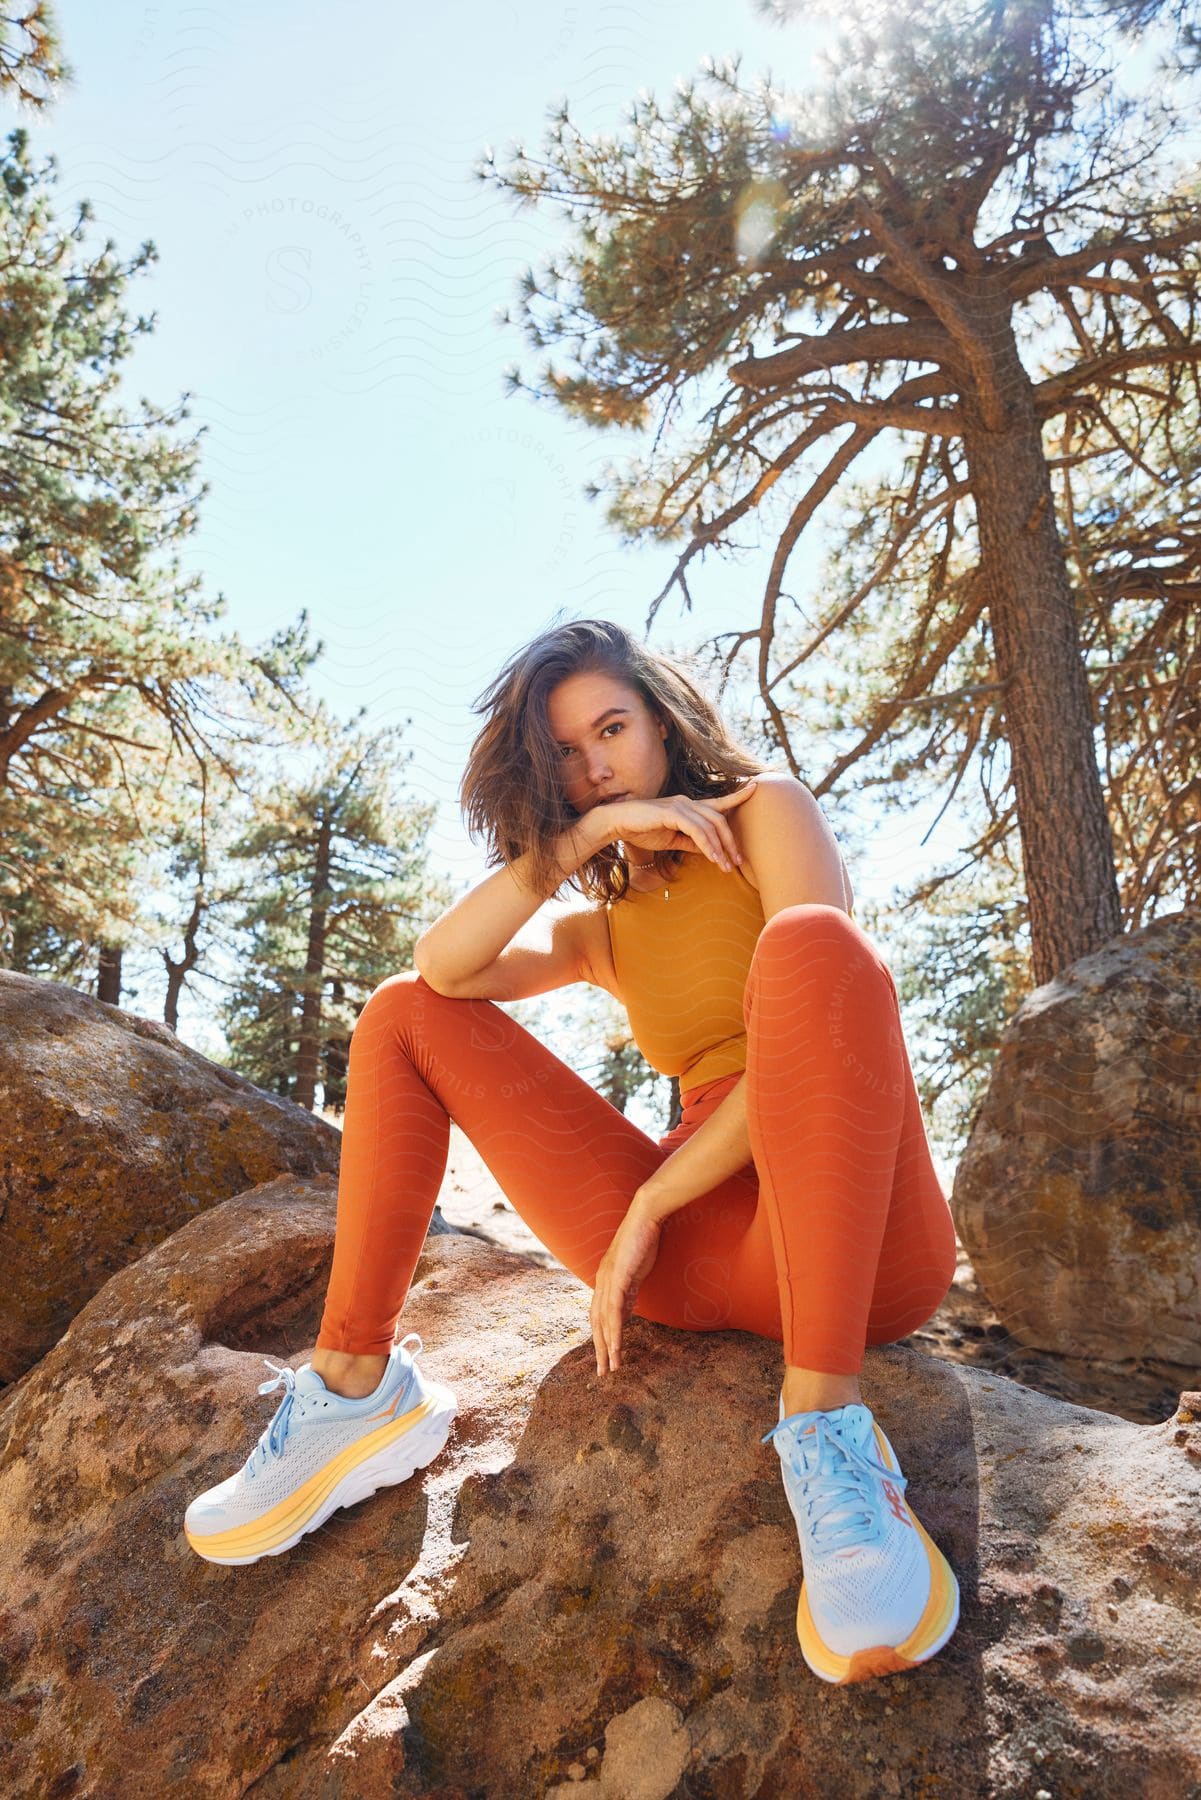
(348, 1374)
(808, 1390)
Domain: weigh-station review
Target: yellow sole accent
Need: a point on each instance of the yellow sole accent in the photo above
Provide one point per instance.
(886, 1659)
(284, 1519)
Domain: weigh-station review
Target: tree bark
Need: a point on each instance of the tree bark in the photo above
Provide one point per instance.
(108, 975)
(176, 971)
(336, 1063)
(1067, 845)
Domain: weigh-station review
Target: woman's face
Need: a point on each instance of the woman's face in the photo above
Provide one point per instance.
(610, 743)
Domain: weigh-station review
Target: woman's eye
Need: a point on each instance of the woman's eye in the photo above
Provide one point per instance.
(615, 725)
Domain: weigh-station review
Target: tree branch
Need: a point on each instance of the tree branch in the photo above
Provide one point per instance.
(899, 341)
(934, 421)
(1053, 395)
(712, 532)
(833, 472)
(1043, 268)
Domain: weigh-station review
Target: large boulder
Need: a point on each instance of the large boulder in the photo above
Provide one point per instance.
(1078, 1197)
(115, 1133)
(593, 1588)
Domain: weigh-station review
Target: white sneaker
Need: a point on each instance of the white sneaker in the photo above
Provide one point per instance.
(320, 1452)
(878, 1595)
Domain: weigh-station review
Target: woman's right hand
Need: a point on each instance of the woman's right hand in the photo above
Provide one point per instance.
(678, 822)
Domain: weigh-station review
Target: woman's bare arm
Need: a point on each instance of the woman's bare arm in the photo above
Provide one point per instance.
(471, 934)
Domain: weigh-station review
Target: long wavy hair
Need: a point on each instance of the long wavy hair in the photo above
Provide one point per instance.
(511, 793)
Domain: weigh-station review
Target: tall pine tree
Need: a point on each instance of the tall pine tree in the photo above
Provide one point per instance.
(963, 241)
(107, 662)
(338, 891)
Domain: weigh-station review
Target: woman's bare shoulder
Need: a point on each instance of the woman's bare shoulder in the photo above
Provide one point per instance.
(781, 777)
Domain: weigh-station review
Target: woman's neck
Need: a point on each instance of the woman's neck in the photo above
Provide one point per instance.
(649, 881)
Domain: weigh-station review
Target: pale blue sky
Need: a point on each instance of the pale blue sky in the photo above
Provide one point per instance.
(327, 290)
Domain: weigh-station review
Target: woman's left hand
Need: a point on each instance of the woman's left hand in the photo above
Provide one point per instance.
(623, 1268)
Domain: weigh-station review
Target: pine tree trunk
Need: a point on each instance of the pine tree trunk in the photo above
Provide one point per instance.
(305, 1093)
(174, 989)
(337, 1063)
(1067, 845)
(108, 975)
(176, 971)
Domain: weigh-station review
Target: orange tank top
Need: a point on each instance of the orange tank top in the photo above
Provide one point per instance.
(681, 964)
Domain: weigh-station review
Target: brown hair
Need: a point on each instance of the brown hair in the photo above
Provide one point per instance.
(511, 793)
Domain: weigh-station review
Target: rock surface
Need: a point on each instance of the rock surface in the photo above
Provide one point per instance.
(1078, 1196)
(965, 1329)
(592, 1589)
(115, 1133)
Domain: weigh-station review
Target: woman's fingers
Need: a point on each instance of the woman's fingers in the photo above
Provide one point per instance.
(701, 830)
(600, 1334)
(689, 823)
(724, 803)
(717, 840)
(607, 1351)
(621, 1271)
(598, 1337)
(606, 1320)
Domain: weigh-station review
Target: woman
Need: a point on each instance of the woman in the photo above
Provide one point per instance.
(796, 1198)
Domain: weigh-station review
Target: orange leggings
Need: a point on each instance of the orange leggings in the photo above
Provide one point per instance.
(837, 1234)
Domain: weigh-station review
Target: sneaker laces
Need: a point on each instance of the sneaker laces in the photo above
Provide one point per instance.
(839, 1483)
(271, 1443)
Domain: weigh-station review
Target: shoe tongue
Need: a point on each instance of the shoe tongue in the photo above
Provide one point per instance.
(855, 1423)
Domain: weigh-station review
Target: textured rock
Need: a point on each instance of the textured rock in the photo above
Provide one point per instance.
(115, 1133)
(1078, 1197)
(593, 1587)
(965, 1329)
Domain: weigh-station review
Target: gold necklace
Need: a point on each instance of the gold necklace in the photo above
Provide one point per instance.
(650, 865)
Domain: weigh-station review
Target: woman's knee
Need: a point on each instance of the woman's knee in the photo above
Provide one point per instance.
(400, 996)
(407, 1007)
(407, 986)
(813, 939)
(393, 991)
(809, 918)
(813, 932)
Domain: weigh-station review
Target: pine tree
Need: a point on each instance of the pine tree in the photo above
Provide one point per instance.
(107, 665)
(340, 891)
(966, 240)
(31, 60)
